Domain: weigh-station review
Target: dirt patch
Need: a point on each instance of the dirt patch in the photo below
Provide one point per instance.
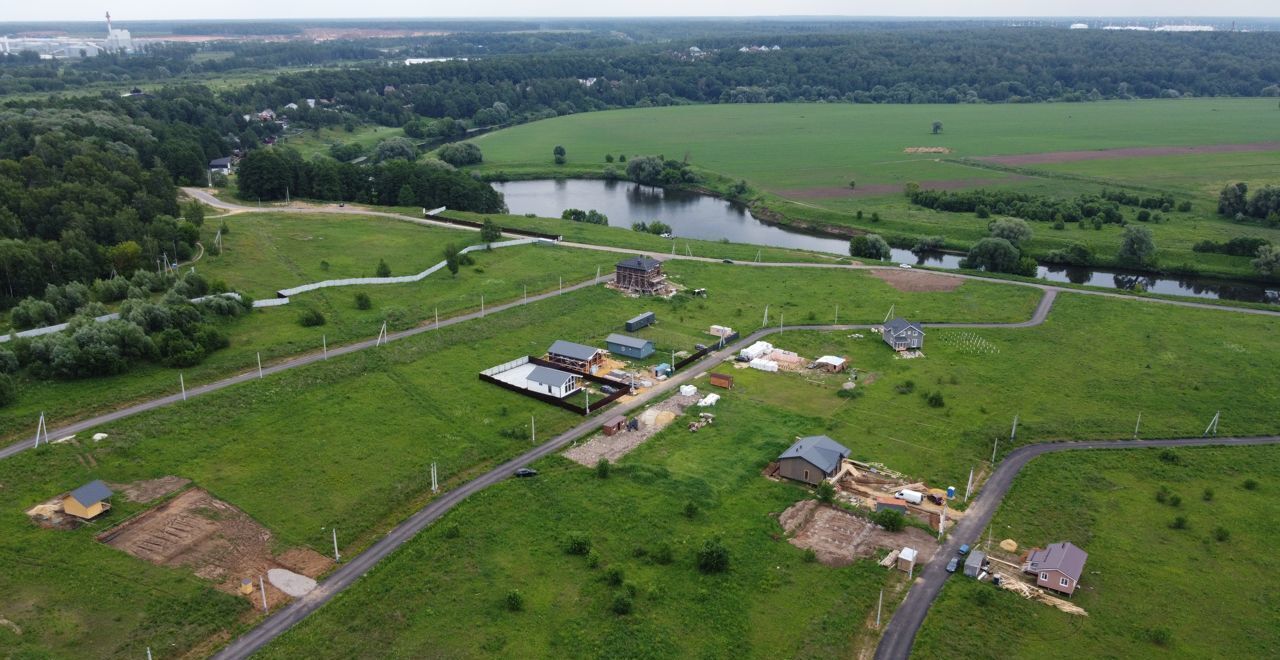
(916, 280)
(926, 150)
(613, 447)
(149, 489)
(838, 537)
(878, 189)
(1050, 157)
(215, 540)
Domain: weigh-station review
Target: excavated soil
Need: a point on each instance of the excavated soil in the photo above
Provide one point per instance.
(838, 537)
(917, 280)
(1132, 152)
(213, 539)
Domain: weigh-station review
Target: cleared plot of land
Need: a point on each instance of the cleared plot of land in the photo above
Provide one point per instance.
(838, 537)
(1150, 589)
(917, 280)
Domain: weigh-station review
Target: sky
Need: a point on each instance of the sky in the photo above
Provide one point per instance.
(123, 11)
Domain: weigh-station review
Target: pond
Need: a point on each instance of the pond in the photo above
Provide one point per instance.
(694, 215)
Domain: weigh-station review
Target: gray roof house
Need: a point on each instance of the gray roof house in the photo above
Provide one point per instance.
(973, 563)
(903, 335)
(632, 347)
(812, 459)
(546, 380)
(221, 164)
(91, 493)
(1057, 567)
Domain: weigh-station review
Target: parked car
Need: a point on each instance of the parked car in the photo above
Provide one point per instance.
(936, 499)
(728, 261)
(951, 565)
(904, 265)
(608, 389)
(964, 550)
(526, 472)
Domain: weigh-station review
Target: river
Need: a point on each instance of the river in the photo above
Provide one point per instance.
(694, 215)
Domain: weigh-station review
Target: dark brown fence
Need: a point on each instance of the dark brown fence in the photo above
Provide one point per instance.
(509, 230)
(547, 398)
(698, 355)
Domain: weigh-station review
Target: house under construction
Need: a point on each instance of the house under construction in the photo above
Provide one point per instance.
(640, 275)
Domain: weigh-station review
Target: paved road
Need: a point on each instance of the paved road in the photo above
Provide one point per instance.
(292, 363)
(900, 634)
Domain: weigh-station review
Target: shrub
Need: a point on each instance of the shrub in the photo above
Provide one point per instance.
(713, 557)
(383, 269)
(593, 559)
(459, 154)
(690, 510)
(1221, 534)
(363, 301)
(614, 576)
(851, 393)
(324, 265)
(1208, 495)
(663, 554)
(906, 387)
(1170, 456)
(808, 556)
(982, 212)
(310, 318)
(602, 468)
(891, 520)
(1175, 500)
(984, 597)
(622, 604)
(515, 601)
(1162, 495)
(577, 544)
(826, 492)
(869, 246)
(452, 531)
(1250, 484)
(935, 400)
(1158, 636)
(8, 391)
(8, 361)
(1179, 522)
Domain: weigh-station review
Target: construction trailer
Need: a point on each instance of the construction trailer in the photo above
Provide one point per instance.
(907, 560)
(88, 501)
(640, 275)
(577, 357)
(642, 321)
(614, 425)
(974, 562)
(722, 380)
(627, 346)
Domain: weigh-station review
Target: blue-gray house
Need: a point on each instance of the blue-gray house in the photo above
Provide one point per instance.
(632, 347)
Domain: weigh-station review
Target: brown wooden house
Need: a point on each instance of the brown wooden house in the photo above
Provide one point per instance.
(640, 275)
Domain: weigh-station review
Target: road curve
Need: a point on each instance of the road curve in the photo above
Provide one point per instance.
(209, 199)
(900, 634)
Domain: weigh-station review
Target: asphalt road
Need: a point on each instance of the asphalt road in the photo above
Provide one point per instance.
(900, 634)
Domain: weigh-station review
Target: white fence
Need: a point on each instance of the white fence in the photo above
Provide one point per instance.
(283, 295)
(494, 371)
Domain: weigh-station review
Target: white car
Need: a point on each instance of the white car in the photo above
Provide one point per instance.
(904, 265)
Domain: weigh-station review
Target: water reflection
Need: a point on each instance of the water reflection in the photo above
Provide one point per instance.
(693, 215)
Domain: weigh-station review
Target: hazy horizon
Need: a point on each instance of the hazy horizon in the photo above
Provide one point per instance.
(149, 10)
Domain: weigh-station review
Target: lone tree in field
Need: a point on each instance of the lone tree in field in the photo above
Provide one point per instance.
(490, 232)
(383, 269)
(869, 246)
(1136, 244)
(713, 557)
(1268, 261)
(937, 127)
(559, 153)
(451, 260)
(1010, 229)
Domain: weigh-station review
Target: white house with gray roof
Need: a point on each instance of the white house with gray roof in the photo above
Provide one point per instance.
(546, 380)
(812, 459)
(903, 335)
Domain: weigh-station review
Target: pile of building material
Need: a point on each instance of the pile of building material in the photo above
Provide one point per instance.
(720, 331)
(763, 365)
(1016, 584)
(613, 447)
(708, 400)
(688, 390)
(704, 419)
(756, 350)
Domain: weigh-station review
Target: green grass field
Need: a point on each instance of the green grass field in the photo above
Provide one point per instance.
(311, 143)
(801, 159)
(1150, 591)
(444, 597)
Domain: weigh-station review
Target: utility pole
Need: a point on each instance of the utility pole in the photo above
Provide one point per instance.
(1014, 433)
(324, 344)
(336, 557)
(482, 305)
(837, 315)
(262, 586)
(259, 365)
(533, 430)
(1135, 426)
(993, 451)
(183, 384)
(968, 486)
(942, 522)
(41, 428)
(435, 483)
(437, 312)
(765, 322)
(1211, 428)
(879, 606)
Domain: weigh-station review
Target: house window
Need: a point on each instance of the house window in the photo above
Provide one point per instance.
(1044, 576)
(1064, 582)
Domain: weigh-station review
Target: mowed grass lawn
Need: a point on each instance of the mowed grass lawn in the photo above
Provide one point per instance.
(802, 158)
(345, 443)
(444, 594)
(1085, 374)
(1150, 591)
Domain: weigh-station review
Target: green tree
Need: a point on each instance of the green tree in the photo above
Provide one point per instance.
(490, 232)
(363, 301)
(937, 127)
(602, 468)
(125, 257)
(645, 169)
(396, 148)
(1136, 245)
(889, 519)
(1268, 260)
(451, 260)
(997, 255)
(869, 246)
(460, 154)
(194, 213)
(406, 197)
(1013, 230)
(826, 492)
(559, 154)
(383, 269)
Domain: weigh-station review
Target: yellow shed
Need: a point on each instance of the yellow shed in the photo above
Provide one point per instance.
(88, 501)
